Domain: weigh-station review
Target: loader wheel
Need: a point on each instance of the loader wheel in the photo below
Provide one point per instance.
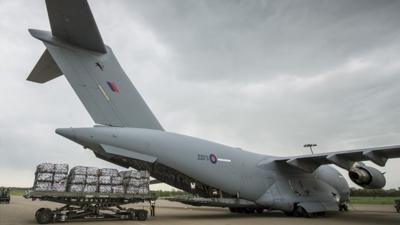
(259, 210)
(301, 212)
(141, 215)
(37, 212)
(44, 216)
(288, 213)
(131, 214)
(343, 207)
(233, 210)
(248, 210)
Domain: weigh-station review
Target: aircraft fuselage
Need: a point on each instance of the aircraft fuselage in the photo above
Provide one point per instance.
(229, 169)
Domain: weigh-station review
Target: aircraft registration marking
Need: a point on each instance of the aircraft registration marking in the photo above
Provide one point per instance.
(212, 158)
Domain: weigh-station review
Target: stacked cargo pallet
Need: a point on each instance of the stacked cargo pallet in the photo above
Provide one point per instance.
(136, 182)
(83, 179)
(51, 177)
(54, 177)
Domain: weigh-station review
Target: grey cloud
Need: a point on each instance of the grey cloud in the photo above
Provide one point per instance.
(253, 40)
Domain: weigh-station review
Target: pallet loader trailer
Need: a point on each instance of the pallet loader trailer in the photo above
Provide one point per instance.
(90, 206)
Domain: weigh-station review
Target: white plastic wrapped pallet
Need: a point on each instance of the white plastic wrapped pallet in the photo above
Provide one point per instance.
(76, 187)
(44, 177)
(131, 190)
(131, 182)
(118, 189)
(78, 170)
(59, 187)
(45, 168)
(104, 180)
(59, 177)
(144, 183)
(61, 168)
(130, 174)
(116, 180)
(144, 174)
(93, 180)
(94, 171)
(42, 186)
(77, 179)
(59, 182)
(105, 188)
(143, 190)
(54, 177)
(108, 172)
(89, 188)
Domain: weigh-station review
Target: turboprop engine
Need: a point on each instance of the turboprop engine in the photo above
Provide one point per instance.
(367, 177)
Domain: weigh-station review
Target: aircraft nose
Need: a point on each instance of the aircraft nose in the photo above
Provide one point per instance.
(66, 132)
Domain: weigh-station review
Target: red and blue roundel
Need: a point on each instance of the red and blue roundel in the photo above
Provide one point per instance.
(213, 158)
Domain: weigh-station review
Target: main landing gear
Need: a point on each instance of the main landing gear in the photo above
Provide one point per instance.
(301, 212)
(343, 207)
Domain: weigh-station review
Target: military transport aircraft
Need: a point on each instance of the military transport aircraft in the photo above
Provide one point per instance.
(127, 133)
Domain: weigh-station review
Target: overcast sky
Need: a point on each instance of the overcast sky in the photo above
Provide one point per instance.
(267, 76)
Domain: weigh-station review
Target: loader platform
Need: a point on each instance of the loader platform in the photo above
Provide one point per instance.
(90, 206)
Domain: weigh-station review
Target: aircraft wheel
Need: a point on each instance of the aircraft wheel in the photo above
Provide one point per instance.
(44, 216)
(343, 207)
(248, 210)
(259, 210)
(240, 210)
(141, 215)
(37, 212)
(131, 213)
(288, 213)
(233, 210)
(301, 212)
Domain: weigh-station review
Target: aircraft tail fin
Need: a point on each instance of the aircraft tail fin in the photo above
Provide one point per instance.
(95, 75)
(72, 21)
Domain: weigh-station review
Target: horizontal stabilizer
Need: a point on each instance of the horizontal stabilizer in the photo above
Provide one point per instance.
(46, 69)
(343, 159)
(72, 21)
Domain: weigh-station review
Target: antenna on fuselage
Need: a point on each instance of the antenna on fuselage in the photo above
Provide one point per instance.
(310, 146)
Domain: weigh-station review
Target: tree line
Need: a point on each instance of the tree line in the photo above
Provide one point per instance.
(375, 192)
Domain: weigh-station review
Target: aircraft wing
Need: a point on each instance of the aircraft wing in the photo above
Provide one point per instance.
(344, 159)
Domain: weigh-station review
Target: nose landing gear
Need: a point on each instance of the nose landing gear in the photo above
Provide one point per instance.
(343, 207)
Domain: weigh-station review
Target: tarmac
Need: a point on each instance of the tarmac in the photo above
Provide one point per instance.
(21, 212)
